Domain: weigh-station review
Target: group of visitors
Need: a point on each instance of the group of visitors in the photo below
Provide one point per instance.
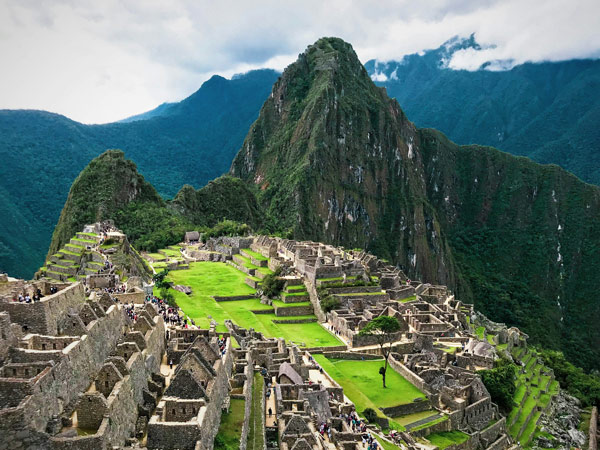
(26, 298)
(108, 267)
(116, 290)
(359, 426)
(130, 311)
(355, 422)
(324, 429)
(222, 341)
(169, 314)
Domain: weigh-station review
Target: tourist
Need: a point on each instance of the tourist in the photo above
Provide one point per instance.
(270, 412)
(171, 364)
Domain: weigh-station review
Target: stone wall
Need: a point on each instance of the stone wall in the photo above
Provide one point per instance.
(287, 311)
(220, 391)
(314, 299)
(408, 408)
(137, 298)
(248, 386)
(351, 355)
(43, 317)
(409, 374)
(72, 374)
(435, 428)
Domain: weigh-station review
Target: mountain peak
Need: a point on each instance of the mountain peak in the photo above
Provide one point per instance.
(106, 184)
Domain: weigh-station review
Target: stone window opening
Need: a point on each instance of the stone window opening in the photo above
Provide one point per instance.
(106, 384)
(173, 411)
(43, 346)
(54, 346)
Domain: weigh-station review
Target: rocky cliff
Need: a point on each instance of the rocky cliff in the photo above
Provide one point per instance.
(332, 158)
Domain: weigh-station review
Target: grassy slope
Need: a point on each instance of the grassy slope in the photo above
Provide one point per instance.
(230, 429)
(447, 438)
(362, 383)
(207, 279)
(256, 434)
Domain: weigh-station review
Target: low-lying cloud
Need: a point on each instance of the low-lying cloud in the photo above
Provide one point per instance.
(102, 61)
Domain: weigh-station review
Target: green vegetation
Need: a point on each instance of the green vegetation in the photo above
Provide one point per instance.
(549, 104)
(447, 438)
(411, 418)
(194, 140)
(272, 285)
(384, 329)
(583, 386)
(230, 430)
(256, 434)
(255, 255)
(209, 279)
(500, 382)
(360, 380)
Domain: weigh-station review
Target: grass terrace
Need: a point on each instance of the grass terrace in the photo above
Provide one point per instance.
(447, 438)
(256, 255)
(256, 439)
(230, 429)
(362, 383)
(208, 279)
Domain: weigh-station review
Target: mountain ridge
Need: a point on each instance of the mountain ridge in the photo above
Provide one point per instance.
(43, 152)
(359, 173)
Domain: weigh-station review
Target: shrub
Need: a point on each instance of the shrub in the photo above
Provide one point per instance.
(584, 386)
(329, 303)
(370, 414)
(500, 382)
(273, 285)
(159, 279)
(167, 296)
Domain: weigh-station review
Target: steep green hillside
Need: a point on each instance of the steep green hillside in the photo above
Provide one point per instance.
(334, 159)
(110, 187)
(547, 111)
(192, 142)
(223, 198)
(107, 185)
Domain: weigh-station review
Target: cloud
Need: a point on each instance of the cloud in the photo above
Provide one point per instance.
(98, 61)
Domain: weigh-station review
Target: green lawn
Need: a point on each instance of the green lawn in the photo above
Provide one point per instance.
(256, 255)
(209, 279)
(230, 429)
(157, 256)
(299, 287)
(411, 418)
(256, 435)
(171, 252)
(362, 383)
(447, 438)
(480, 333)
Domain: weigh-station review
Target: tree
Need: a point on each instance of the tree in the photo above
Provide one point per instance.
(159, 279)
(167, 296)
(272, 284)
(500, 382)
(384, 328)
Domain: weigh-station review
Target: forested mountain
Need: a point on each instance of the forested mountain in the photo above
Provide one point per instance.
(547, 111)
(191, 142)
(332, 158)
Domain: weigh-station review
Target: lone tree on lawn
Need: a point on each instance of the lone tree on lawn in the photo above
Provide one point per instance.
(384, 329)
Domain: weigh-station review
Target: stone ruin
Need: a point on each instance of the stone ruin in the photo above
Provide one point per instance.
(75, 372)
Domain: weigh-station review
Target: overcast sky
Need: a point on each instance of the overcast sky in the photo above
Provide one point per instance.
(97, 61)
